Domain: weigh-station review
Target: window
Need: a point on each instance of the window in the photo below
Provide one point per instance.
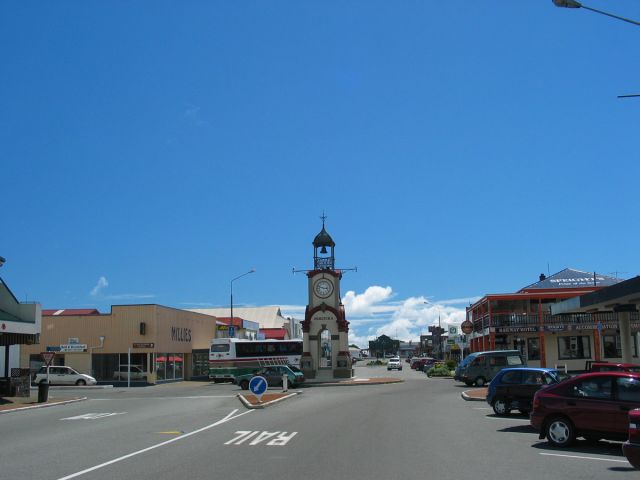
(613, 348)
(512, 377)
(574, 347)
(498, 361)
(514, 360)
(597, 388)
(220, 348)
(533, 378)
(628, 389)
(533, 348)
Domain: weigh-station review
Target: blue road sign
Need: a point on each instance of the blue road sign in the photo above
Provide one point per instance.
(258, 385)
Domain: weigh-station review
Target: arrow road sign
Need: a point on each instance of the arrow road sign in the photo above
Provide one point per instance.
(258, 385)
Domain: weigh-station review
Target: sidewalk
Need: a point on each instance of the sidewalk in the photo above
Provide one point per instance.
(475, 395)
(14, 404)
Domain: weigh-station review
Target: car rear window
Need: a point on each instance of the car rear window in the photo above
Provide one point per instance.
(514, 360)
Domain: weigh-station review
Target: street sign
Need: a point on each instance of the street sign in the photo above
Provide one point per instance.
(48, 357)
(453, 330)
(73, 347)
(257, 386)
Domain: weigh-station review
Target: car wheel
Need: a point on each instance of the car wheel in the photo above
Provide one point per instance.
(500, 407)
(560, 432)
(468, 384)
(480, 381)
(293, 385)
(244, 384)
(81, 382)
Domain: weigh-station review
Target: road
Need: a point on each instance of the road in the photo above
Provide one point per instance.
(418, 428)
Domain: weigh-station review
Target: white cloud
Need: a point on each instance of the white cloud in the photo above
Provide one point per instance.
(101, 285)
(374, 313)
(367, 302)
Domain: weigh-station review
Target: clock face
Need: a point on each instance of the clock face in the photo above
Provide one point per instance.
(323, 288)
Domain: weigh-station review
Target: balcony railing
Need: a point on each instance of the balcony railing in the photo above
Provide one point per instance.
(607, 319)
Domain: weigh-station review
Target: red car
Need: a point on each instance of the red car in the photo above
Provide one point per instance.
(631, 448)
(591, 405)
(613, 367)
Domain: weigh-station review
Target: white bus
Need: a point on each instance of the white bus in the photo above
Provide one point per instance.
(229, 357)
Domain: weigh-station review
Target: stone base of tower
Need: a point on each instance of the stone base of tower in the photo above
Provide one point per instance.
(343, 366)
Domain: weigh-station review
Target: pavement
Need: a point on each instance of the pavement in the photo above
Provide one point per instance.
(251, 401)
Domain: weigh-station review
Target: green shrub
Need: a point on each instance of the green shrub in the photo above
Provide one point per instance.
(451, 364)
(376, 363)
(439, 371)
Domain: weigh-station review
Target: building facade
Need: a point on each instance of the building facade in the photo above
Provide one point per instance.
(524, 321)
(160, 343)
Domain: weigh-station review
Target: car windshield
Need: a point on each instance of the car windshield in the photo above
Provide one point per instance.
(558, 375)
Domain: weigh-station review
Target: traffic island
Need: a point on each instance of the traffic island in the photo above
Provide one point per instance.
(18, 404)
(251, 401)
(476, 394)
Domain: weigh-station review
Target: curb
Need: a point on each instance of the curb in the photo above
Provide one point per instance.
(249, 405)
(44, 405)
(469, 398)
(74, 387)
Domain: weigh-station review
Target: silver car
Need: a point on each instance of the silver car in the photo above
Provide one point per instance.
(63, 376)
(394, 363)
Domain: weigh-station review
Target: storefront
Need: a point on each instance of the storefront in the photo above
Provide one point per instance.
(146, 343)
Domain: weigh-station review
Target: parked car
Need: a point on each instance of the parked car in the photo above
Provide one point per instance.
(612, 367)
(631, 448)
(63, 376)
(137, 373)
(394, 364)
(273, 375)
(591, 405)
(424, 363)
(514, 388)
(479, 368)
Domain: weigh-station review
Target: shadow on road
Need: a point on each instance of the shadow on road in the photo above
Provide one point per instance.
(585, 447)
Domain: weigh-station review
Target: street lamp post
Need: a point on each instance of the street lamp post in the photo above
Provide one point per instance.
(574, 4)
(233, 280)
(440, 352)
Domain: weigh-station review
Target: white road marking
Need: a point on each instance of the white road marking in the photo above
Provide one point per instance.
(585, 458)
(482, 408)
(93, 416)
(167, 442)
(280, 440)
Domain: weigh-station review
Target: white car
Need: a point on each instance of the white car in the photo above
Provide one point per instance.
(394, 363)
(63, 376)
(136, 373)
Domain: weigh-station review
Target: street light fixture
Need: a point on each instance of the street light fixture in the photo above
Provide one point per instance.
(440, 352)
(233, 280)
(574, 4)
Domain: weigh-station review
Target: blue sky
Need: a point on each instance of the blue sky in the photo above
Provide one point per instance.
(152, 151)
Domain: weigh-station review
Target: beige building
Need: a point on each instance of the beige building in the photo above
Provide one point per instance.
(160, 343)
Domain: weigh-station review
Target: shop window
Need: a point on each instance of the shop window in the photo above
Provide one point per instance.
(612, 346)
(577, 347)
(533, 348)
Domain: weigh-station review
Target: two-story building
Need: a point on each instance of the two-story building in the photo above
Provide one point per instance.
(523, 321)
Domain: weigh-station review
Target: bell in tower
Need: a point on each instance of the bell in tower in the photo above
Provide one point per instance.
(323, 259)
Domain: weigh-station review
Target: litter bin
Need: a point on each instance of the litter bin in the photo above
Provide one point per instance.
(43, 392)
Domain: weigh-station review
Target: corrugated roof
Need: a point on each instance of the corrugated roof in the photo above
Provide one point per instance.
(267, 317)
(572, 278)
(273, 333)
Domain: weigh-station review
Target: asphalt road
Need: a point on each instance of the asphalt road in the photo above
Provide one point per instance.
(419, 428)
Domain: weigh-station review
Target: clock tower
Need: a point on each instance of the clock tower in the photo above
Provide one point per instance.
(325, 329)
